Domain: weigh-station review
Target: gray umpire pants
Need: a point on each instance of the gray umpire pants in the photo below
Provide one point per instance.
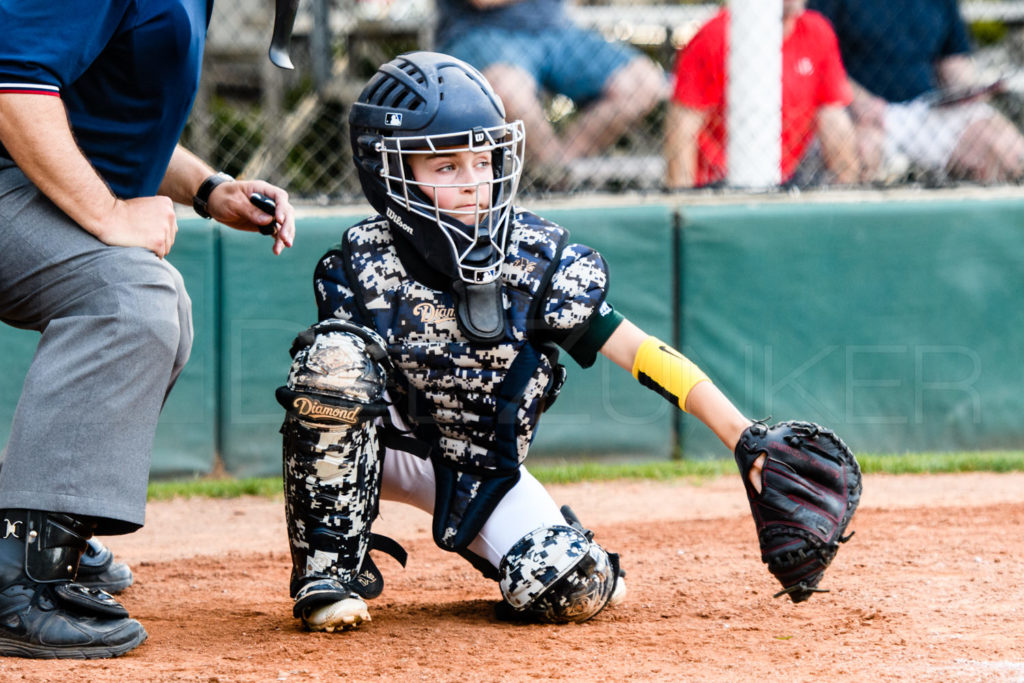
(116, 331)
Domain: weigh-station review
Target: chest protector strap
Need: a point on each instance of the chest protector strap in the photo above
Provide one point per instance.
(490, 484)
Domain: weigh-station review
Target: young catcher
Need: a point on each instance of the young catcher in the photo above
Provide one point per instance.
(437, 352)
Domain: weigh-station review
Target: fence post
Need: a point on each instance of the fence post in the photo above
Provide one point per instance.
(754, 94)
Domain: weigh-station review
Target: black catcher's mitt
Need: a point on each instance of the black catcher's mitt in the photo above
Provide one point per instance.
(810, 488)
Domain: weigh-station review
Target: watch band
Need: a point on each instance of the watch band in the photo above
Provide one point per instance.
(202, 196)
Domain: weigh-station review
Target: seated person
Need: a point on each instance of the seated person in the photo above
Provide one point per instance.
(524, 47)
(908, 59)
(815, 93)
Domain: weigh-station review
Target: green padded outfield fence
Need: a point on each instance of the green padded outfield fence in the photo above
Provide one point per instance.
(897, 323)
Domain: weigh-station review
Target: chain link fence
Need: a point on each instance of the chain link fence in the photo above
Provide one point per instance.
(254, 120)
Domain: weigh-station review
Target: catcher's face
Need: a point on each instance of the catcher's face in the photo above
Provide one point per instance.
(457, 181)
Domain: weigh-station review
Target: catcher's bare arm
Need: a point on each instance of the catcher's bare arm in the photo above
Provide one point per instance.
(802, 482)
(661, 368)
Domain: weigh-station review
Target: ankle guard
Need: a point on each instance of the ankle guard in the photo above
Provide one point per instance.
(54, 543)
(46, 548)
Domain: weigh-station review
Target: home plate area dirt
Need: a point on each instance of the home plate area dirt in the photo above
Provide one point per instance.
(930, 588)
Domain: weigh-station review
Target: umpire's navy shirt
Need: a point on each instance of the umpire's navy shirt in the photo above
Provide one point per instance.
(127, 71)
(891, 46)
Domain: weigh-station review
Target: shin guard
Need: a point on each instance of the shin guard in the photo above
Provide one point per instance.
(332, 459)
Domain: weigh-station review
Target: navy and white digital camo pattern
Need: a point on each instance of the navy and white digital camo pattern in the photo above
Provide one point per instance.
(332, 458)
(557, 574)
(476, 405)
(583, 268)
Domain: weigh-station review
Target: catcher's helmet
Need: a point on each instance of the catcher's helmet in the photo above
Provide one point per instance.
(419, 103)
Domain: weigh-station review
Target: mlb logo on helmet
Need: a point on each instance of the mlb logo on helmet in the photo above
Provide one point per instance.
(393, 119)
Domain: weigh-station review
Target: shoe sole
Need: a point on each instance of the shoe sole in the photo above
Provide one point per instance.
(10, 648)
(341, 615)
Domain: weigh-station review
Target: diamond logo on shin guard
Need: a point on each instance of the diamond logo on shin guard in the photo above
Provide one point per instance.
(307, 407)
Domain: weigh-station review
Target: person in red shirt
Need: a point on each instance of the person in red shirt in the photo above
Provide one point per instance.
(815, 92)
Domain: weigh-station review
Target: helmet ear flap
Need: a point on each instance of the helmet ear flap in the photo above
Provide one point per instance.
(371, 151)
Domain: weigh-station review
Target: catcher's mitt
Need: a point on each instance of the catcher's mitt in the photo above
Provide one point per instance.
(810, 488)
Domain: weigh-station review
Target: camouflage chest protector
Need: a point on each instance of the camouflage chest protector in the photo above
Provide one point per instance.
(476, 405)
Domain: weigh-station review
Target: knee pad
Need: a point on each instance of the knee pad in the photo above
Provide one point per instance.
(332, 453)
(338, 375)
(558, 575)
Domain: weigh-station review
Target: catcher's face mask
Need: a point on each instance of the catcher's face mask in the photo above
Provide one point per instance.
(284, 21)
(477, 230)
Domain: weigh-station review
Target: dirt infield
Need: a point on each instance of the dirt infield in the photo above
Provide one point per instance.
(931, 588)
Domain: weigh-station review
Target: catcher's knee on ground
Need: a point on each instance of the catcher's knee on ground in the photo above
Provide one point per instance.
(557, 574)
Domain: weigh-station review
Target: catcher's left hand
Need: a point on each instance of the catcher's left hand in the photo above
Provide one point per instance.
(810, 488)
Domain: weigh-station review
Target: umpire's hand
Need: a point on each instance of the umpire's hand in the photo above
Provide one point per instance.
(229, 204)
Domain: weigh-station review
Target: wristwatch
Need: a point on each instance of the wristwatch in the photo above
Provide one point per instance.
(202, 195)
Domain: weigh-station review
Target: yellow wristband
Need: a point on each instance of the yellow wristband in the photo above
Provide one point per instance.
(661, 368)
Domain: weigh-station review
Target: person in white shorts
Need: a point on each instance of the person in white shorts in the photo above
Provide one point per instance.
(919, 101)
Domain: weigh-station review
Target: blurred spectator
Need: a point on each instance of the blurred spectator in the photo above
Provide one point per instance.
(525, 47)
(815, 93)
(917, 97)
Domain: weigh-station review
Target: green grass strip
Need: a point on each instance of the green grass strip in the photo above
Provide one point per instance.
(219, 487)
(953, 462)
(571, 472)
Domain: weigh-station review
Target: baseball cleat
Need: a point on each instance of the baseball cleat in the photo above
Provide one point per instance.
(341, 615)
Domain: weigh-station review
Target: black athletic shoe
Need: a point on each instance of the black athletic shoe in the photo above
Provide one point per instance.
(97, 569)
(41, 621)
(44, 613)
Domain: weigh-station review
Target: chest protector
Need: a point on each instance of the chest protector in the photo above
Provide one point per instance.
(474, 404)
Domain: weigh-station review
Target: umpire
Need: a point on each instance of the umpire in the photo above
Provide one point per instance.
(94, 95)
